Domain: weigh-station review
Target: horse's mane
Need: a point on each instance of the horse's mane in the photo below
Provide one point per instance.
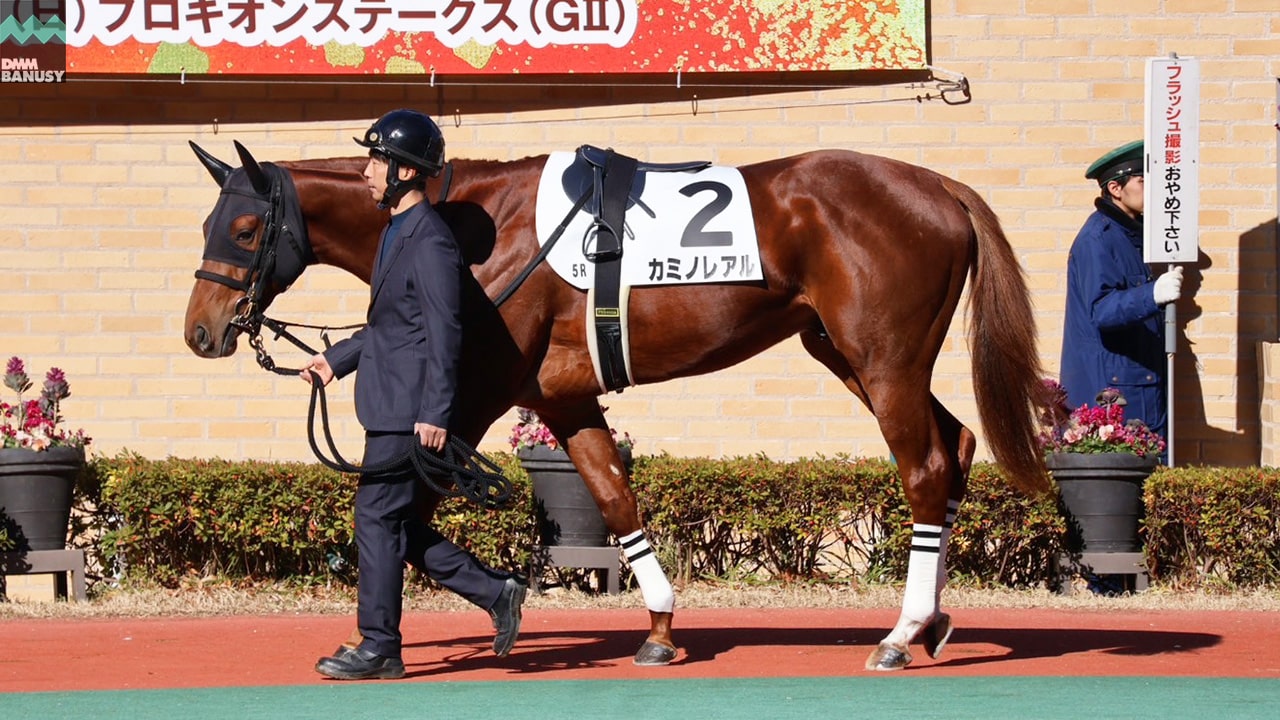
(326, 166)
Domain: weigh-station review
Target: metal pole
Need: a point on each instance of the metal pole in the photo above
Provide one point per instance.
(1170, 348)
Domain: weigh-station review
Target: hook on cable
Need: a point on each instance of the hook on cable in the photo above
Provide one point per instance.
(946, 87)
(948, 83)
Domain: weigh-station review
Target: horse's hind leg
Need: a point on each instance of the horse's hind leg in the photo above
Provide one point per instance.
(934, 452)
(586, 437)
(935, 635)
(934, 485)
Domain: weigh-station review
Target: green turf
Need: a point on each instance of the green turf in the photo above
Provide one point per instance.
(898, 696)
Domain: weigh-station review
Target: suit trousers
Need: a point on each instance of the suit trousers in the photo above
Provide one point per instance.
(390, 533)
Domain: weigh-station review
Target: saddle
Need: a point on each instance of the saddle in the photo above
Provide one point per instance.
(612, 183)
(586, 177)
(597, 157)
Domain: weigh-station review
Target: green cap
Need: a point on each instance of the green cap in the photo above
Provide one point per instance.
(1124, 160)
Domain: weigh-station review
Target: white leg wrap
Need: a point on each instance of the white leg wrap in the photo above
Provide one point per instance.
(926, 576)
(953, 506)
(654, 586)
(923, 571)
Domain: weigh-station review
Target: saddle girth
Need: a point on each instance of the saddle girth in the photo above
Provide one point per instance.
(613, 186)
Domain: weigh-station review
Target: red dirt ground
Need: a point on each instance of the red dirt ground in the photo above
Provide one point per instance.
(598, 644)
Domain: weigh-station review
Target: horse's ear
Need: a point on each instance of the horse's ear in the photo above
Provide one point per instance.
(218, 169)
(261, 184)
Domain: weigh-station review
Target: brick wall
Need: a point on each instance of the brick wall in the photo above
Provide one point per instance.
(101, 203)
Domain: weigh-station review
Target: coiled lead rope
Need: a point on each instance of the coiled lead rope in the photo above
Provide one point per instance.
(474, 476)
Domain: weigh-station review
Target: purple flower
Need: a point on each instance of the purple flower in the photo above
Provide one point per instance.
(55, 385)
(15, 376)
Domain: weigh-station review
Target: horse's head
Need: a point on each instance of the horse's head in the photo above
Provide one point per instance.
(255, 246)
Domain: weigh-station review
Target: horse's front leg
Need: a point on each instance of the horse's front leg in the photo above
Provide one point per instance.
(934, 489)
(595, 454)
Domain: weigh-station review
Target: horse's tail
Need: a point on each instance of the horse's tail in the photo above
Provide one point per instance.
(1007, 376)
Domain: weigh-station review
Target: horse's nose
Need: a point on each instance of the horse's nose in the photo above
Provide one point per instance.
(203, 341)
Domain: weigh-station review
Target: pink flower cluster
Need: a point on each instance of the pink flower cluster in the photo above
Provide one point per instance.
(529, 431)
(34, 424)
(1094, 429)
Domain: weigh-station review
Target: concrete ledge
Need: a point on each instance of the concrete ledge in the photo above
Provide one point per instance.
(1129, 564)
(49, 561)
(606, 559)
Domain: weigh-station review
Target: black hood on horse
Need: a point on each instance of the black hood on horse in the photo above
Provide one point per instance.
(265, 234)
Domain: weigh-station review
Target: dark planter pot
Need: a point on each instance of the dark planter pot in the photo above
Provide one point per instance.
(35, 495)
(567, 515)
(1102, 497)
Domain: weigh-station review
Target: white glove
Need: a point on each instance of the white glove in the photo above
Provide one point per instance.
(1168, 287)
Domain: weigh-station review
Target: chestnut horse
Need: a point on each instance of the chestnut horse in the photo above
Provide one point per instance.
(865, 257)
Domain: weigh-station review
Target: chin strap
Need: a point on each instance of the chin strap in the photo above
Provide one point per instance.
(396, 188)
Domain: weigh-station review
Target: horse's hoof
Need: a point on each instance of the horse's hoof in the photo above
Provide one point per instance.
(935, 636)
(887, 657)
(651, 654)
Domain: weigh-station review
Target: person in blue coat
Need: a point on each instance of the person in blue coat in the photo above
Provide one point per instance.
(408, 356)
(1113, 332)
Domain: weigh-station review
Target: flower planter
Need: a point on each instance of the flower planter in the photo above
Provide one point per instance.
(566, 513)
(35, 494)
(1102, 496)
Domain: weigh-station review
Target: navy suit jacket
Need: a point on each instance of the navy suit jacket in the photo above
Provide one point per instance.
(408, 352)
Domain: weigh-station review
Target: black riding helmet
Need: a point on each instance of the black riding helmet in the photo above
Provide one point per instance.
(408, 137)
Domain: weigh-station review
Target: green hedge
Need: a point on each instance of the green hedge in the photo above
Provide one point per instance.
(746, 518)
(1214, 528)
(163, 519)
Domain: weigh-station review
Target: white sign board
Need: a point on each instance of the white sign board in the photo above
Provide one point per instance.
(1171, 138)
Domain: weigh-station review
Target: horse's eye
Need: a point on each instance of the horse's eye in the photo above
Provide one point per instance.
(244, 237)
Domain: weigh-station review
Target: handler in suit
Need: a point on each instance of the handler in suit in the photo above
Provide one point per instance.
(408, 355)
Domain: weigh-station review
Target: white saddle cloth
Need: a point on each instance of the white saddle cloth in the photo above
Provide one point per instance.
(700, 231)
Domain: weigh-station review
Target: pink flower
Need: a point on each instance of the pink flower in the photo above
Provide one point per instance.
(529, 431)
(1095, 429)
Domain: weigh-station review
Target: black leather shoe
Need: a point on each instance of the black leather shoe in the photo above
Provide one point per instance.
(360, 664)
(506, 615)
(342, 653)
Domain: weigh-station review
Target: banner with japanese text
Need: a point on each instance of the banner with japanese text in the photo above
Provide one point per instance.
(491, 37)
(1171, 201)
